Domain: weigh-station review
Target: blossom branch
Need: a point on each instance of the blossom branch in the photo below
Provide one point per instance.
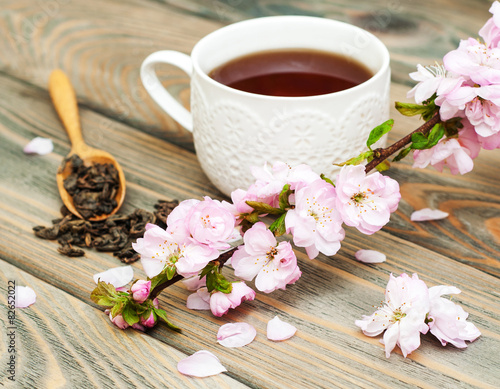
(160, 287)
(382, 154)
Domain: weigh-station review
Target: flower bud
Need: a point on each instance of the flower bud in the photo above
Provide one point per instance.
(140, 291)
(118, 321)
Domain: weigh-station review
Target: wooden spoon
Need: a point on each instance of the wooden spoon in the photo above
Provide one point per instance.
(64, 100)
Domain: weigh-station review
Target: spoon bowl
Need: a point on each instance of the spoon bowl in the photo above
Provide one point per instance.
(64, 100)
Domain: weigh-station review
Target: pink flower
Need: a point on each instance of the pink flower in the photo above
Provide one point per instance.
(199, 300)
(239, 207)
(159, 249)
(366, 202)
(402, 315)
(275, 265)
(432, 79)
(474, 61)
(315, 222)
(140, 290)
(220, 302)
(484, 116)
(448, 320)
(490, 32)
(210, 223)
(457, 154)
(271, 183)
(118, 321)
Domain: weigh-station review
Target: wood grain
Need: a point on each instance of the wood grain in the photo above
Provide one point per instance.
(328, 350)
(61, 342)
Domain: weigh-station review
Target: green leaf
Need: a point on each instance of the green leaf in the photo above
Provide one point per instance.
(409, 109)
(159, 279)
(222, 285)
(278, 227)
(383, 166)
(211, 281)
(163, 315)
(130, 315)
(419, 141)
(422, 142)
(170, 272)
(357, 160)
(207, 269)
(252, 217)
(283, 198)
(378, 132)
(325, 178)
(117, 308)
(403, 153)
(104, 294)
(435, 135)
(264, 208)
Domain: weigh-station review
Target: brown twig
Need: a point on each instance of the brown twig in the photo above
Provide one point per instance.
(382, 154)
(221, 260)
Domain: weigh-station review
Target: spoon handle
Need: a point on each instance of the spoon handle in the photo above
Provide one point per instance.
(64, 100)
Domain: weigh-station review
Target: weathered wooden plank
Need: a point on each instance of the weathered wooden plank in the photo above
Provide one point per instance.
(61, 342)
(328, 350)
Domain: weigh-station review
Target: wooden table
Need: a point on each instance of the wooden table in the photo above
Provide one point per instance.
(65, 341)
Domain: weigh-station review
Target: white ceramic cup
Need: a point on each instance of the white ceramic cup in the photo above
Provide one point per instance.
(233, 130)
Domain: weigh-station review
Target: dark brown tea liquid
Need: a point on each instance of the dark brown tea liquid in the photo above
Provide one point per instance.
(291, 72)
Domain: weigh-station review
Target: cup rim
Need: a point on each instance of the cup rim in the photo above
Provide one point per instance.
(266, 19)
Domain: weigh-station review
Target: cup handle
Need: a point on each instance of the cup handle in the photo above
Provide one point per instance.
(158, 92)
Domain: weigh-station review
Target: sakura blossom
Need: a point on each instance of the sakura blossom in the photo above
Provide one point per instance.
(201, 364)
(432, 79)
(315, 222)
(199, 300)
(24, 296)
(278, 330)
(236, 334)
(365, 201)
(159, 250)
(210, 223)
(447, 320)
(118, 321)
(271, 182)
(490, 32)
(220, 302)
(448, 152)
(401, 316)
(275, 265)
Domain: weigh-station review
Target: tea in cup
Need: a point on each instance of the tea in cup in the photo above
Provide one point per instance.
(296, 89)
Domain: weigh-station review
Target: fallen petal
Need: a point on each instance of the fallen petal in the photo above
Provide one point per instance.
(201, 364)
(236, 334)
(116, 276)
(428, 214)
(370, 256)
(39, 146)
(279, 330)
(25, 296)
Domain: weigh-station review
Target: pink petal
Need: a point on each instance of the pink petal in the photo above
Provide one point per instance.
(428, 214)
(236, 334)
(116, 276)
(279, 330)
(200, 300)
(39, 146)
(370, 256)
(201, 364)
(25, 296)
(194, 283)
